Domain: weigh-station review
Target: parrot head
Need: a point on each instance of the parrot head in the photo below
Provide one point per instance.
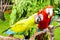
(49, 11)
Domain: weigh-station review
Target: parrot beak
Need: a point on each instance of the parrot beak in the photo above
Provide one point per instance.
(48, 16)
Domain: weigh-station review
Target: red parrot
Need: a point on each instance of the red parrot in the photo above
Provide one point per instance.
(45, 16)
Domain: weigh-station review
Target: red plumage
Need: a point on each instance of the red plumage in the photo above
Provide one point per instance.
(43, 24)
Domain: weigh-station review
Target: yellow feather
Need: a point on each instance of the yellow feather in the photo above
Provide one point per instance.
(23, 25)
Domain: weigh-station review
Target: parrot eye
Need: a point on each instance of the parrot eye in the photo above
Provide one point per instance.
(49, 11)
(41, 16)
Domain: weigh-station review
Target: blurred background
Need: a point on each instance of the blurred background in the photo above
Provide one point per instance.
(12, 11)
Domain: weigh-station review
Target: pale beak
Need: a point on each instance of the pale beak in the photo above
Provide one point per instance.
(49, 16)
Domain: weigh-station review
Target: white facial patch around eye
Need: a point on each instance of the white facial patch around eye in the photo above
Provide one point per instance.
(38, 18)
(49, 10)
(35, 17)
(41, 16)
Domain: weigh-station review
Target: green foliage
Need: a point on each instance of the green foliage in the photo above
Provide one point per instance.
(4, 24)
(13, 17)
(25, 8)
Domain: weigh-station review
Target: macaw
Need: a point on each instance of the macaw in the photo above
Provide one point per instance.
(45, 15)
(22, 26)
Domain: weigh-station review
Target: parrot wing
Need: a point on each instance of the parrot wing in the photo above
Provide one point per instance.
(23, 25)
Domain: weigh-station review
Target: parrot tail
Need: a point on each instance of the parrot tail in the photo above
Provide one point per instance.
(6, 30)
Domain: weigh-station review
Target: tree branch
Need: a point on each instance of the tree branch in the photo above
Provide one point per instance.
(8, 38)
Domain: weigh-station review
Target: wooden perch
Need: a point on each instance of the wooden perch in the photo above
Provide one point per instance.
(8, 38)
(53, 27)
(57, 26)
(38, 33)
(51, 30)
(33, 37)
